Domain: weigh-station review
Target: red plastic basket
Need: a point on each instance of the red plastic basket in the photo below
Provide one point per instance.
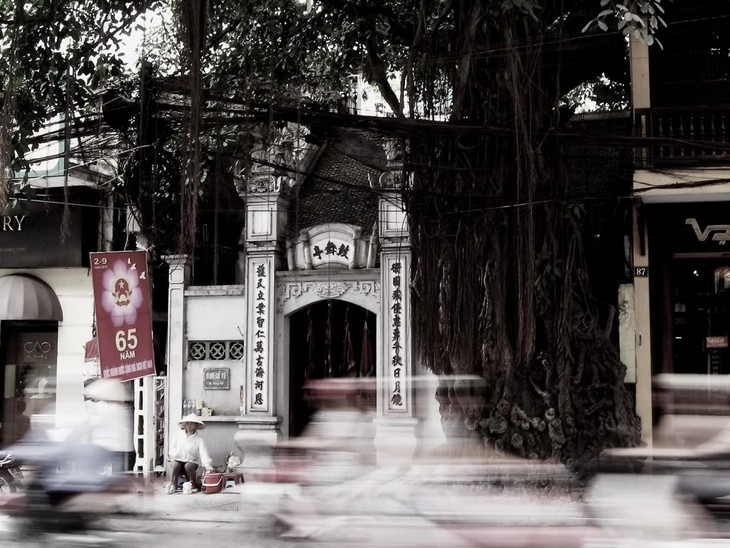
(213, 482)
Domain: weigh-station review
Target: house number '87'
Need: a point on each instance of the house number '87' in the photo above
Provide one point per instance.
(126, 340)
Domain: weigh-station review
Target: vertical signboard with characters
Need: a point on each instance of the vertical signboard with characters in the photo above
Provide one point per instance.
(123, 314)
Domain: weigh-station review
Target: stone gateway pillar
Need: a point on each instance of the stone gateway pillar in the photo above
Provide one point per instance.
(396, 423)
(266, 198)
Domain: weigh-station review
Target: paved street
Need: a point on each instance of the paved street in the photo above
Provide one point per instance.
(179, 521)
(389, 513)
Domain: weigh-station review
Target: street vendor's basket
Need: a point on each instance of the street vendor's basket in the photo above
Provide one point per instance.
(212, 482)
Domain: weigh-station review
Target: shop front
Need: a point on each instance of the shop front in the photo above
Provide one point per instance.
(690, 295)
(30, 353)
(46, 315)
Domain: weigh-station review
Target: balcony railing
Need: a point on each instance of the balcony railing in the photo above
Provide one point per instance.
(679, 136)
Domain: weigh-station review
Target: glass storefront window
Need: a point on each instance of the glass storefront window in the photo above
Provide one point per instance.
(28, 382)
(701, 324)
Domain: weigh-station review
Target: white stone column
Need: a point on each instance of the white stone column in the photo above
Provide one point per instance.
(178, 278)
(397, 367)
(266, 216)
(396, 423)
(642, 320)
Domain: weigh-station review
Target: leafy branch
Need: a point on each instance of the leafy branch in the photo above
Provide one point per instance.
(640, 19)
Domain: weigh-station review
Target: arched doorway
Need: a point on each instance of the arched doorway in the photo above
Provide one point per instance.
(328, 339)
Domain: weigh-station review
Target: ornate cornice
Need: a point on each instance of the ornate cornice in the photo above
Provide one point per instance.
(325, 290)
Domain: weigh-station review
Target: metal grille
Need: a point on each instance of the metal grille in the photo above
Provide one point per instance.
(215, 350)
(197, 350)
(235, 350)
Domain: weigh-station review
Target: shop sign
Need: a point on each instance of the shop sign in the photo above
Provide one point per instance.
(697, 227)
(38, 348)
(23, 226)
(218, 378)
(717, 342)
(123, 314)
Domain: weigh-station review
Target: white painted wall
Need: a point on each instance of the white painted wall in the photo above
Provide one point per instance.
(695, 185)
(75, 293)
(215, 313)
(627, 330)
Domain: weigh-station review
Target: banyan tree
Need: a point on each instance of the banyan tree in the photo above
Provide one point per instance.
(500, 283)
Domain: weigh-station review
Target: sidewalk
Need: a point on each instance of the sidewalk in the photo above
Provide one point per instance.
(232, 505)
(219, 507)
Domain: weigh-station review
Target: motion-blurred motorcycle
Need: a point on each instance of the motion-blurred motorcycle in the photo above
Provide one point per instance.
(67, 487)
(10, 474)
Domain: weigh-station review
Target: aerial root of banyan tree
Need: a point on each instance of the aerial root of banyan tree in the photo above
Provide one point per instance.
(502, 301)
(518, 317)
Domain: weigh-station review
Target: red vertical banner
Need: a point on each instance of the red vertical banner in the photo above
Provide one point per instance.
(123, 314)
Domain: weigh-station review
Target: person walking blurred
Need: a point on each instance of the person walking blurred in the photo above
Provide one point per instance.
(109, 420)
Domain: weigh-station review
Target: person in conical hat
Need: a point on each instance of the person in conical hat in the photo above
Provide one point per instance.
(188, 452)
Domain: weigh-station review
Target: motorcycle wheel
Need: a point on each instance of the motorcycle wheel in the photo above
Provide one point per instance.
(7, 483)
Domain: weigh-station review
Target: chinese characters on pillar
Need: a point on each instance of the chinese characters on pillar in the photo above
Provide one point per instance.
(397, 388)
(260, 334)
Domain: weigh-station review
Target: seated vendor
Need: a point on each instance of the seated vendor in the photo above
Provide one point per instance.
(188, 451)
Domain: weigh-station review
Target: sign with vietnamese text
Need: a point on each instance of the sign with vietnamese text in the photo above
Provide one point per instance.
(123, 314)
(218, 378)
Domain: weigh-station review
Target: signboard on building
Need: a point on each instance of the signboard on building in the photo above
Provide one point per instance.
(697, 227)
(30, 236)
(717, 342)
(217, 378)
(123, 314)
(37, 348)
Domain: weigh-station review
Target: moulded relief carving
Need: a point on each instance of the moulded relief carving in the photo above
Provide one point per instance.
(330, 289)
(391, 179)
(325, 290)
(263, 183)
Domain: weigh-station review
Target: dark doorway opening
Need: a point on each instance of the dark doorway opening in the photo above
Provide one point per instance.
(692, 326)
(701, 315)
(329, 339)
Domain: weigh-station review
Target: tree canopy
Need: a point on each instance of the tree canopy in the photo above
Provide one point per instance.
(54, 53)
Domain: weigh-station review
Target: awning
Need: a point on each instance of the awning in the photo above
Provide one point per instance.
(25, 297)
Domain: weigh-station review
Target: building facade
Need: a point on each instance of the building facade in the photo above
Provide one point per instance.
(677, 315)
(46, 297)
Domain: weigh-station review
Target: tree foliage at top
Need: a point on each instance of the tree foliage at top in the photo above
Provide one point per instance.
(54, 54)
